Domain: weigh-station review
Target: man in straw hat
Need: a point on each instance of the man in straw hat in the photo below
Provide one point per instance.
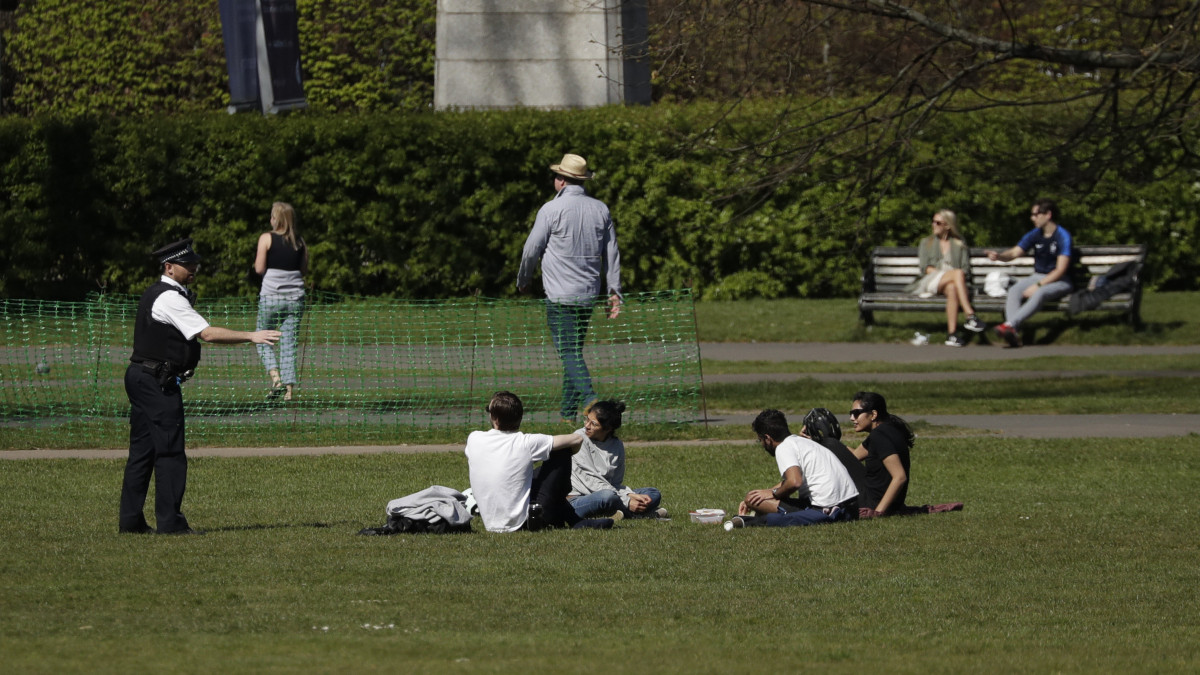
(574, 239)
(165, 354)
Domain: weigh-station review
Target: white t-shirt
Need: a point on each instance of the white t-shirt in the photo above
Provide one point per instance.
(501, 468)
(825, 479)
(174, 309)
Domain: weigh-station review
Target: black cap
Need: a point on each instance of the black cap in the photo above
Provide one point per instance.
(177, 252)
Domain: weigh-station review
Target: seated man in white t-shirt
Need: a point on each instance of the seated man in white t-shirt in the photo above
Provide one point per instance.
(814, 487)
(510, 497)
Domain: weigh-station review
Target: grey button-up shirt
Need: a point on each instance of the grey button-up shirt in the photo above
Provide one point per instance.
(574, 238)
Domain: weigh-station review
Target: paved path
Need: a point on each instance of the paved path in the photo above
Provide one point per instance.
(997, 426)
(848, 352)
(994, 426)
(971, 375)
(1003, 426)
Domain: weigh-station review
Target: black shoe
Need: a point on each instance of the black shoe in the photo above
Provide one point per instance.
(141, 529)
(593, 524)
(743, 521)
(955, 340)
(974, 325)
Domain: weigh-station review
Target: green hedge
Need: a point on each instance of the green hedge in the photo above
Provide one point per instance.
(122, 57)
(438, 205)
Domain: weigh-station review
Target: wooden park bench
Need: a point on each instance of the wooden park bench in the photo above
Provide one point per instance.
(891, 268)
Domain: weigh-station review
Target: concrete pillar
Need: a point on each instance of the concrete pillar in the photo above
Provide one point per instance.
(540, 53)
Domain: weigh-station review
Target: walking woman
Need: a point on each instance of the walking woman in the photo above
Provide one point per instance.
(282, 260)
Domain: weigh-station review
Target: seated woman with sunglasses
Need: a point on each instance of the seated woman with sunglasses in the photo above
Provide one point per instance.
(885, 452)
(943, 258)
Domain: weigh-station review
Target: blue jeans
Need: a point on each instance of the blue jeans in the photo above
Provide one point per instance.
(811, 516)
(282, 314)
(606, 502)
(1017, 308)
(568, 329)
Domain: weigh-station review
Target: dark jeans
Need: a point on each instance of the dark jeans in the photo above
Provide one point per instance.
(548, 495)
(813, 515)
(568, 329)
(155, 447)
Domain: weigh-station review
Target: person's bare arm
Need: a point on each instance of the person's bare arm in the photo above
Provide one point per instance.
(791, 481)
(1006, 255)
(1059, 271)
(899, 480)
(260, 257)
(569, 442)
(225, 336)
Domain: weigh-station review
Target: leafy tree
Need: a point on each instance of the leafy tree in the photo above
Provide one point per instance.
(879, 73)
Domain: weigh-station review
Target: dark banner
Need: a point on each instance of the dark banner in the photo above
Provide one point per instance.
(281, 40)
(238, 28)
(262, 54)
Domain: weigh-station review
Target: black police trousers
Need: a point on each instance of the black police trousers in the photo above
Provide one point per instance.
(156, 446)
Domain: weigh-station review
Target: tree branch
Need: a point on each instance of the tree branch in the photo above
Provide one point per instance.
(1083, 58)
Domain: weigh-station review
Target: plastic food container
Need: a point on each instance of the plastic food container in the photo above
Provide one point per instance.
(707, 516)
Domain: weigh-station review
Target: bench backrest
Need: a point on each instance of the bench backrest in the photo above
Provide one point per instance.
(894, 267)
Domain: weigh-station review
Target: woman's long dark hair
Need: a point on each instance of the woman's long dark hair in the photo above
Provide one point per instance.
(872, 401)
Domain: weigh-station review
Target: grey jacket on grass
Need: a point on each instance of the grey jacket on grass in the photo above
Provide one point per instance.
(433, 504)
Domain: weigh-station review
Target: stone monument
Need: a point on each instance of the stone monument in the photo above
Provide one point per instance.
(540, 53)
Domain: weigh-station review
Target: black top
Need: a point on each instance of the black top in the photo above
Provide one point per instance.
(858, 473)
(281, 255)
(162, 342)
(884, 441)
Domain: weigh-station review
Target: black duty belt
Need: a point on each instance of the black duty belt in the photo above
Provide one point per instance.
(163, 371)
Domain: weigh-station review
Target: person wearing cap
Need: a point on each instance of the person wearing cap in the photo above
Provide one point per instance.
(165, 354)
(574, 239)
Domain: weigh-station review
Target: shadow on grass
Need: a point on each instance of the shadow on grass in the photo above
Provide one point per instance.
(276, 526)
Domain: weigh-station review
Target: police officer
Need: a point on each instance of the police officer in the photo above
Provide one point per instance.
(165, 354)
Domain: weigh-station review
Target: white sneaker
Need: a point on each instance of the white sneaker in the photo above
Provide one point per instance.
(662, 514)
(974, 325)
(955, 341)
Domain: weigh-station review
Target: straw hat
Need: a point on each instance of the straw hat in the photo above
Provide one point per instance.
(573, 167)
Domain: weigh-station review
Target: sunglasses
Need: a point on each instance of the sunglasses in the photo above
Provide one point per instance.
(858, 411)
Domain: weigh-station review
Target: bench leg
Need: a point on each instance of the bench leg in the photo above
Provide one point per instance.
(866, 316)
(1135, 310)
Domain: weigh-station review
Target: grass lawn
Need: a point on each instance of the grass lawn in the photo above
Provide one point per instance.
(1169, 318)
(1134, 362)
(1066, 559)
(1071, 556)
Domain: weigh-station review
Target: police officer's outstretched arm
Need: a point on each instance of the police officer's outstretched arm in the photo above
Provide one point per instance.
(225, 336)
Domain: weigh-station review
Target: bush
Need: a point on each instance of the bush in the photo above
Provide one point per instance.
(122, 57)
(439, 205)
